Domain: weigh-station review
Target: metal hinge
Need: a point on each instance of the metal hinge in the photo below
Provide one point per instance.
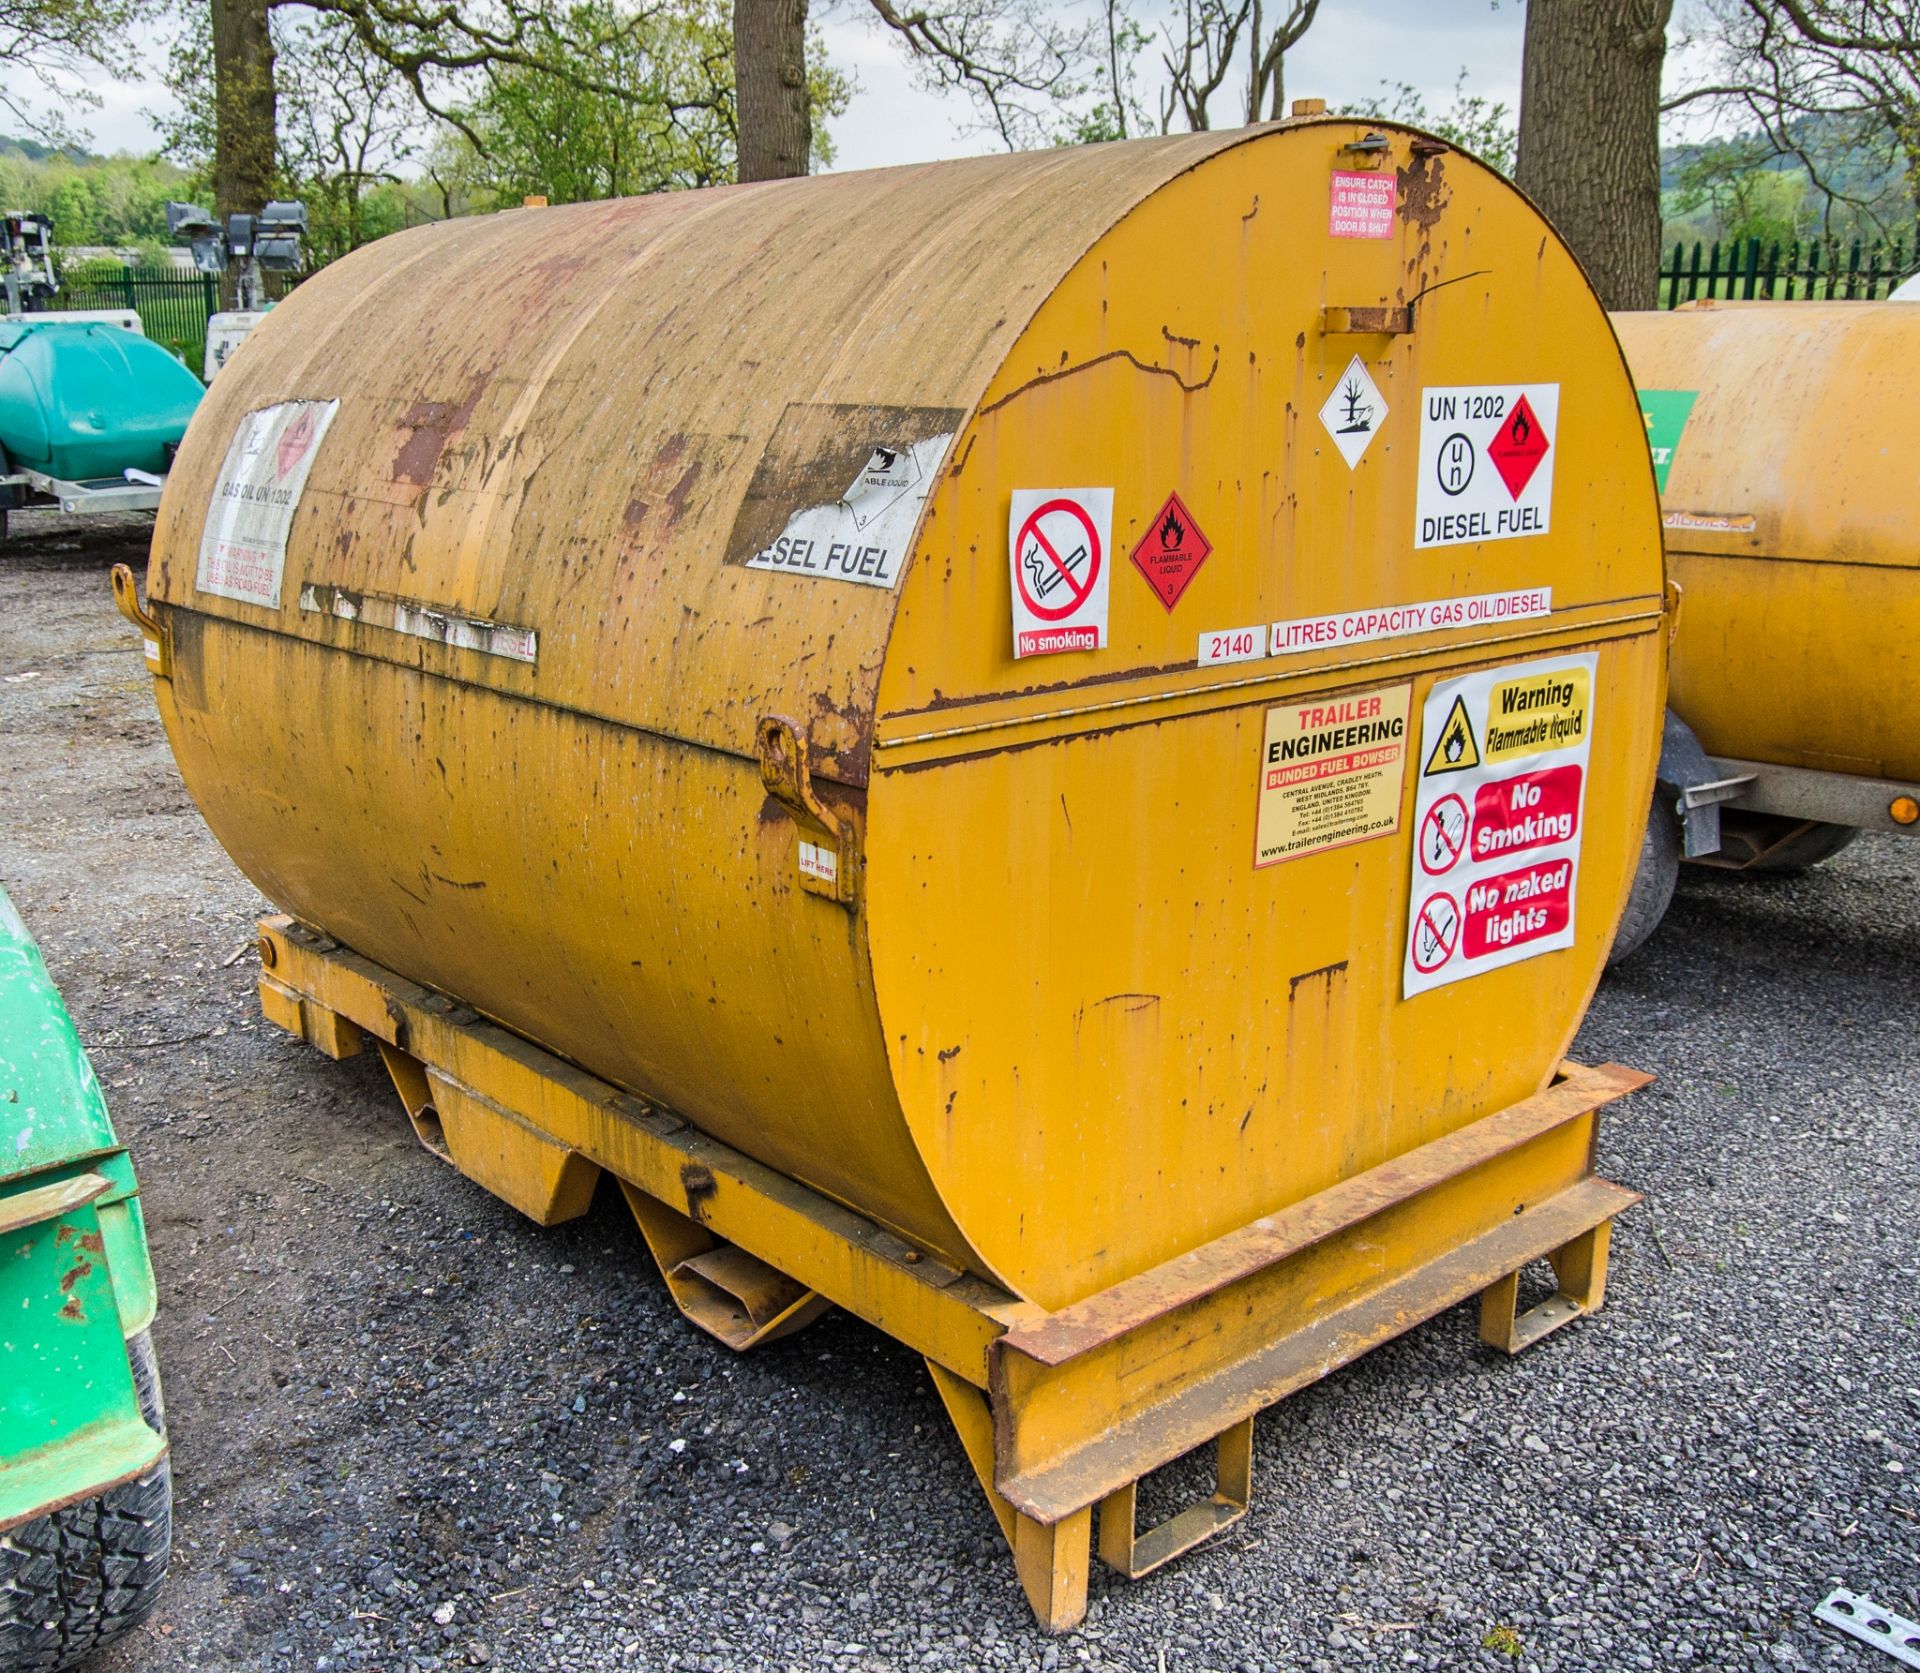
(825, 854)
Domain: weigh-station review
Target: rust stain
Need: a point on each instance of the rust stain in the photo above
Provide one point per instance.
(1325, 971)
(696, 1179)
(79, 1270)
(1422, 191)
(1074, 370)
(677, 494)
(92, 1242)
(432, 425)
(73, 1312)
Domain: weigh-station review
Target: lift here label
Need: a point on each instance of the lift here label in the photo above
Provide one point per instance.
(1486, 463)
(1059, 547)
(243, 548)
(1503, 757)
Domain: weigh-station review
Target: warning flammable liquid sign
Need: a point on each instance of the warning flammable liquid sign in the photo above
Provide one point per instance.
(1497, 818)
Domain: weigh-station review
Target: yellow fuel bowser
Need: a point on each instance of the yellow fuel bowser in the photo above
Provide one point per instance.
(1044, 749)
(1779, 435)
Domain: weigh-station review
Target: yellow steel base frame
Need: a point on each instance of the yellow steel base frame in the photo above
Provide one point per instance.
(1061, 1413)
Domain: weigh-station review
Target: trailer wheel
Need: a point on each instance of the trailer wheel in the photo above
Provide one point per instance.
(1653, 881)
(76, 1579)
(1769, 842)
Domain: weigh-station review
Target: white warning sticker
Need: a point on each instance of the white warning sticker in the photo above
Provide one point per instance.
(1353, 413)
(243, 548)
(1057, 545)
(1232, 644)
(1503, 760)
(1398, 621)
(862, 537)
(1486, 463)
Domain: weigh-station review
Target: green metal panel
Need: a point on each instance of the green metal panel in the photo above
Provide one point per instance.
(70, 1418)
(85, 400)
(75, 1279)
(51, 1108)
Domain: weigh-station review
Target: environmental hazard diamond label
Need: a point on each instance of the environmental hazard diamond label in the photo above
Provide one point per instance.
(1497, 819)
(1354, 412)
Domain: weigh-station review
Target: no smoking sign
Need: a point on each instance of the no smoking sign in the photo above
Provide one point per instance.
(1058, 549)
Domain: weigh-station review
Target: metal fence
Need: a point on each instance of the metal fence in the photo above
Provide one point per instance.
(1820, 270)
(173, 307)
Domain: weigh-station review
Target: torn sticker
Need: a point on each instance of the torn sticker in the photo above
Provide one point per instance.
(243, 547)
(423, 621)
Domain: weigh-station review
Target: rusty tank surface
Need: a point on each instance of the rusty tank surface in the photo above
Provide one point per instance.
(897, 714)
(1780, 429)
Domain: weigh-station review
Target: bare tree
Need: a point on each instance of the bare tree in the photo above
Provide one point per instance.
(44, 40)
(1589, 151)
(1816, 80)
(1014, 58)
(346, 122)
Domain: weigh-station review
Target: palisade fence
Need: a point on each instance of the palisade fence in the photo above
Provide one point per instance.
(173, 307)
(1820, 270)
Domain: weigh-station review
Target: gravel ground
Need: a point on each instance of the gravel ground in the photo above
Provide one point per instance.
(412, 1430)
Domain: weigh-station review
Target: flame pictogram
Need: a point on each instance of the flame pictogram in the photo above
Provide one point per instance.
(1520, 429)
(1171, 547)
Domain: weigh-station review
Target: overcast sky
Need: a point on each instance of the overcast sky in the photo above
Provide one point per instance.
(1353, 47)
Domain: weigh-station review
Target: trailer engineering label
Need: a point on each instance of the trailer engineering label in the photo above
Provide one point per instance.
(1497, 818)
(243, 548)
(1331, 773)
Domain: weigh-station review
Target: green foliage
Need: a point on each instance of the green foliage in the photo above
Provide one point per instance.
(1739, 188)
(1501, 1639)
(116, 201)
(1483, 127)
(629, 103)
(1840, 182)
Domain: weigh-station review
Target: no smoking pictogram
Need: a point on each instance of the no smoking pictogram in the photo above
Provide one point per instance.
(1443, 835)
(1057, 559)
(1436, 932)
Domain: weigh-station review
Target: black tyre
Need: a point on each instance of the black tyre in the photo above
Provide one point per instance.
(1653, 881)
(1787, 845)
(73, 1581)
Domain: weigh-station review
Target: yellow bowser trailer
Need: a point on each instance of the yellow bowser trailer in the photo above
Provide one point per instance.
(1780, 434)
(1044, 749)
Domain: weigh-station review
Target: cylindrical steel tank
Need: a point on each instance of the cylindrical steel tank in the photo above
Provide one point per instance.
(1788, 504)
(516, 567)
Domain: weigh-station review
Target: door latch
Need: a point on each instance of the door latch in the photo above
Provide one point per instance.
(826, 854)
